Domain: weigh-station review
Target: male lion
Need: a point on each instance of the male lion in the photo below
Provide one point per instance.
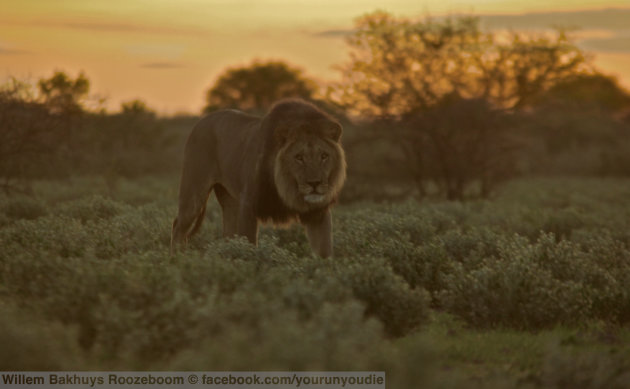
(286, 166)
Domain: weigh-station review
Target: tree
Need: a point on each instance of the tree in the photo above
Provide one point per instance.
(128, 143)
(399, 66)
(63, 95)
(458, 143)
(256, 87)
(136, 107)
(29, 134)
(586, 92)
(446, 87)
(576, 126)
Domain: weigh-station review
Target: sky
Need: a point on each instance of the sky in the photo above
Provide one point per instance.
(169, 52)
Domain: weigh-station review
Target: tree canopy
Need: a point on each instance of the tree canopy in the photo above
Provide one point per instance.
(62, 94)
(136, 107)
(399, 66)
(256, 87)
(586, 92)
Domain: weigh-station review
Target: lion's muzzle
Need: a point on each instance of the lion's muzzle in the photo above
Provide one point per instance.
(314, 198)
(314, 192)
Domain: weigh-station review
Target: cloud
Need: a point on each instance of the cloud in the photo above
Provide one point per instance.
(334, 33)
(109, 27)
(605, 30)
(604, 19)
(162, 65)
(617, 44)
(123, 27)
(7, 51)
(162, 51)
(608, 19)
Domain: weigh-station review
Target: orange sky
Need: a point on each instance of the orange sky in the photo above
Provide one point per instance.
(168, 52)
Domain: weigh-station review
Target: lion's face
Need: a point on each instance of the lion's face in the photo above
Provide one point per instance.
(309, 172)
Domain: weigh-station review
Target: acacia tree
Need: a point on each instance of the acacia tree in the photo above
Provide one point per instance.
(256, 87)
(411, 72)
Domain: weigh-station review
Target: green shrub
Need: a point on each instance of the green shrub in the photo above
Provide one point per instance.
(589, 369)
(93, 208)
(45, 236)
(337, 337)
(30, 342)
(516, 289)
(24, 208)
(144, 228)
(96, 271)
(386, 294)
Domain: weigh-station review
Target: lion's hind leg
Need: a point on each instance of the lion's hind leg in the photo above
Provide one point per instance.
(192, 208)
(185, 226)
(229, 208)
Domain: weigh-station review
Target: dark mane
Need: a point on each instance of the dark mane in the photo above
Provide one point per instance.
(284, 115)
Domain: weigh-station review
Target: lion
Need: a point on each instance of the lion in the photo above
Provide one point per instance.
(286, 166)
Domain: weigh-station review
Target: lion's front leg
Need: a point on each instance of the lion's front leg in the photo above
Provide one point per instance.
(319, 233)
(247, 222)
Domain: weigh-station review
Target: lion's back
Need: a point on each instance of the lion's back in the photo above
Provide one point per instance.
(221, 144)
(225, 126)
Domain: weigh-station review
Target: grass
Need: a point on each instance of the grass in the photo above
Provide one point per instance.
(526, 290)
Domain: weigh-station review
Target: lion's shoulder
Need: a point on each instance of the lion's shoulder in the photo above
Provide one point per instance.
(228, 118)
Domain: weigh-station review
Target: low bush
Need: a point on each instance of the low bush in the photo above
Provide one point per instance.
(588, 369)
(23, 208)
(96, 271)
(30, 342)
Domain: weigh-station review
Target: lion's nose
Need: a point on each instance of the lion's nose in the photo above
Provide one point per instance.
(314, 183)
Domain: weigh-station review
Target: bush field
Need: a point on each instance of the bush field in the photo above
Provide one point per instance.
(528, 289)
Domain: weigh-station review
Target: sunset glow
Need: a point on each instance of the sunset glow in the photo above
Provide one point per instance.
(168, 53)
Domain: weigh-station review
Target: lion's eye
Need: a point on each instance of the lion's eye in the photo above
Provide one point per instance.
(299, 158)
(324, 157)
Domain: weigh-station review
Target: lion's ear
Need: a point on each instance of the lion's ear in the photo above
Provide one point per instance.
(333, 131)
